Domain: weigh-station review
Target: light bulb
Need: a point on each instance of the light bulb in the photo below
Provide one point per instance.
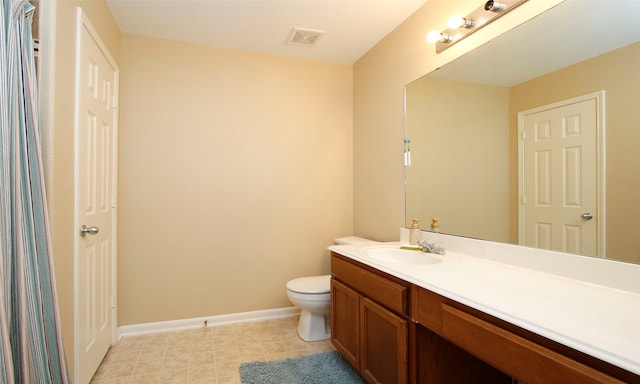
(457, 21)
(436, 36)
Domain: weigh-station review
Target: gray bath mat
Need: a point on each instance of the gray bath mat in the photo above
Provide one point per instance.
(321, 368)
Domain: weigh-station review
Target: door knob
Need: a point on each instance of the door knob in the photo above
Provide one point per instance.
(90, 230)
(587, 216)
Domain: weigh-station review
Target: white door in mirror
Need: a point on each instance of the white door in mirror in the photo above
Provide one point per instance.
(559, 176)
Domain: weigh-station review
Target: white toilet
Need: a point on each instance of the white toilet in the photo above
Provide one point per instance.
(313, 296)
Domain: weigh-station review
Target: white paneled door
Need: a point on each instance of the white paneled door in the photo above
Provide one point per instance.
(560, 175)
(96, 135)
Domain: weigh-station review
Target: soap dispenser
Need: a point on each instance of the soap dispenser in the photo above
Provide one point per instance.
(435, 225)
(414, 232)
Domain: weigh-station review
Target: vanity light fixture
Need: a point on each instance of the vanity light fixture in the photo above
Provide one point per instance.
(461, 27)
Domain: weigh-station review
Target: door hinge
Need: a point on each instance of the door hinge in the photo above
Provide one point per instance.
(113, 201)
(115, 101)
(523, 134)
(113, 301)
(524, 199)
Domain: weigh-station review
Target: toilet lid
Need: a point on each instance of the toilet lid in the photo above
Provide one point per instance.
(312, 284)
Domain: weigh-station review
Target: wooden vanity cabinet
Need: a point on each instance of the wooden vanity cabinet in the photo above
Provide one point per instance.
(395, 332)
(369, 320)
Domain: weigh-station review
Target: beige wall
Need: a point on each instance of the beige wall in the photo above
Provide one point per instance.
(57, 60)
(235, 174)
(617, 74)
(379, 79)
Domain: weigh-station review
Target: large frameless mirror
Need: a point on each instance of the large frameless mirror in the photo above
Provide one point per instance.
(472, 169)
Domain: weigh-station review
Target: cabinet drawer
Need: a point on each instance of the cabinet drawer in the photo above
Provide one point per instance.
(519, 357)
(390, 294)
(518, 352)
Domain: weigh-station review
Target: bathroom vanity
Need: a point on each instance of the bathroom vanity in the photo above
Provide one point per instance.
(464, 319)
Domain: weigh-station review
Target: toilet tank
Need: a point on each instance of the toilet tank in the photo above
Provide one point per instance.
(352, 240)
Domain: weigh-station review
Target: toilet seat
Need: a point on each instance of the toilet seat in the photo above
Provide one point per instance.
(310, 285)
(309, 297)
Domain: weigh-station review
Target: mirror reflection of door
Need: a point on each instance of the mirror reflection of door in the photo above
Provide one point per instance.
(560, 177)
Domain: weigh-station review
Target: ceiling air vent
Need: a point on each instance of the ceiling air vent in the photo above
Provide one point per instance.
(305, 37)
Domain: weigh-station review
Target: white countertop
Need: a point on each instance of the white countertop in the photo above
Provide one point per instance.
(599, 320)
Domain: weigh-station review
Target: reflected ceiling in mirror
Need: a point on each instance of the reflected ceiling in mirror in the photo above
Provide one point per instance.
(462, 120)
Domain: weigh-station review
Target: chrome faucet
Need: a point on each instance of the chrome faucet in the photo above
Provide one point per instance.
(430, 247)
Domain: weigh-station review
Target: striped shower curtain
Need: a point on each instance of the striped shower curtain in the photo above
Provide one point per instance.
(31, 344)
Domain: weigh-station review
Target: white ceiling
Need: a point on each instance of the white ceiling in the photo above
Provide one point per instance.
(352, 26)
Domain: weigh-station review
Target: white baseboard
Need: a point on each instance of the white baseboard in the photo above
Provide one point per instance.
(212, 321)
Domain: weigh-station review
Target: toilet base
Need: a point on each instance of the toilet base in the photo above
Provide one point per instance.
(314, 326)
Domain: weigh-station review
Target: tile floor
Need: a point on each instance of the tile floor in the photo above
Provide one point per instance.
(205, 355)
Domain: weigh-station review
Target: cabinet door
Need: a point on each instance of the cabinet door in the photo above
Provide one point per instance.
(345, 322)
(384, 344)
